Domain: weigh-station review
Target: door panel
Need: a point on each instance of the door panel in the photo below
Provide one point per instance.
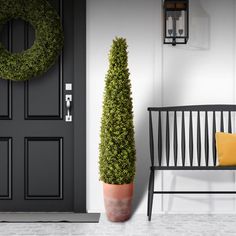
(43, 181)
(5, 100)
(41, 105)
(5, 168)
(43, 99)
(36, 144)
(5, 86)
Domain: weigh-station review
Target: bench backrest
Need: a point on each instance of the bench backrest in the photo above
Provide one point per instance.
(185, 135)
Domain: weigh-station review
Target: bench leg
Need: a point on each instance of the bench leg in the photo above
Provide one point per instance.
(148, 203)
(150, 195)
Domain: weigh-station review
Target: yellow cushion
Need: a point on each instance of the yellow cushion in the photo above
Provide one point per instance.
(226, 149)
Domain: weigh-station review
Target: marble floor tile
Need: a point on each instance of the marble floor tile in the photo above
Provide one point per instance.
(138, 225)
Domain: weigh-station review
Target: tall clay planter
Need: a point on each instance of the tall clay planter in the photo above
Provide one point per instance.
(118, 201)
(117, 147)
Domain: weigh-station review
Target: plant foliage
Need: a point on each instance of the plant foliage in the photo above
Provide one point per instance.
(117, 147)
(48, 39)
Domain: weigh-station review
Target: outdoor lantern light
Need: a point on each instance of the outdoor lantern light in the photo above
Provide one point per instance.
(176, 21)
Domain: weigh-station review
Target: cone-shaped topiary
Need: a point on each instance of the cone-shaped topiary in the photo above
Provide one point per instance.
(117, 147)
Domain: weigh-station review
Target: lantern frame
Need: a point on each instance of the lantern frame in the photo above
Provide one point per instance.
(175, 9)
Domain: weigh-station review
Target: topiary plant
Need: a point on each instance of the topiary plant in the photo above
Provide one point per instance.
(117, 147)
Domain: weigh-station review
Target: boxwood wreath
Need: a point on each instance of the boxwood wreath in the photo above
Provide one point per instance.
(48, 39)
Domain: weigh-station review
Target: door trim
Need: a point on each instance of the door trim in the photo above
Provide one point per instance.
(80, 108)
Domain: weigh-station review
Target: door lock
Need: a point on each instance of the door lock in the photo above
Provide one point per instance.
(68, 100)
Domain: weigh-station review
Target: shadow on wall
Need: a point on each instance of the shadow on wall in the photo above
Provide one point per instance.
(199, 40)
(207, 176)
(199, 28)
(143, 158)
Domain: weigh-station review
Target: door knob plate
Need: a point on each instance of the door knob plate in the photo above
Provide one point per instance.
(68, 100)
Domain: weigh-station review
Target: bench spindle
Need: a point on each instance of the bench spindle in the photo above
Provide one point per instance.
(159, 140)
(222, 121)
(214, 138)
(167, 139)
(198, 139)
(183, 139)
(229, 122)
(191, 139)
(206, 139)
(175, 139)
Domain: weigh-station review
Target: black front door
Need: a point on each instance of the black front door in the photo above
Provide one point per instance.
(36, 141)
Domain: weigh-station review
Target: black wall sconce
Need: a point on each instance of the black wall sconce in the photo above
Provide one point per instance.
(176, 21)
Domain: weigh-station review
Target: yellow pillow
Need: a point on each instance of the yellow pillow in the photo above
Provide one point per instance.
(226, 149)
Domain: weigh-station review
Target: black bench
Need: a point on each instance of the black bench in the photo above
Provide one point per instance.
(171, 121)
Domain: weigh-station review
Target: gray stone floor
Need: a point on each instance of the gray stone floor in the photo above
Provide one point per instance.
(161, 225)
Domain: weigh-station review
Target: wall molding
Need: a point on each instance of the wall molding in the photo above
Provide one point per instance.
(234, 88)
(158, 76)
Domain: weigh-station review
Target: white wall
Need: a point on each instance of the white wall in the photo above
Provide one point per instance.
(198, 73)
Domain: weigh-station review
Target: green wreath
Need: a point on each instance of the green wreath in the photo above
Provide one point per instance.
(48, 39)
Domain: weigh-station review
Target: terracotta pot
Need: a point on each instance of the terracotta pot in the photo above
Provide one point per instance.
(117, 199)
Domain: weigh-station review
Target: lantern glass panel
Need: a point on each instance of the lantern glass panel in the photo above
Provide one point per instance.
(181, 25)
(169, 25)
